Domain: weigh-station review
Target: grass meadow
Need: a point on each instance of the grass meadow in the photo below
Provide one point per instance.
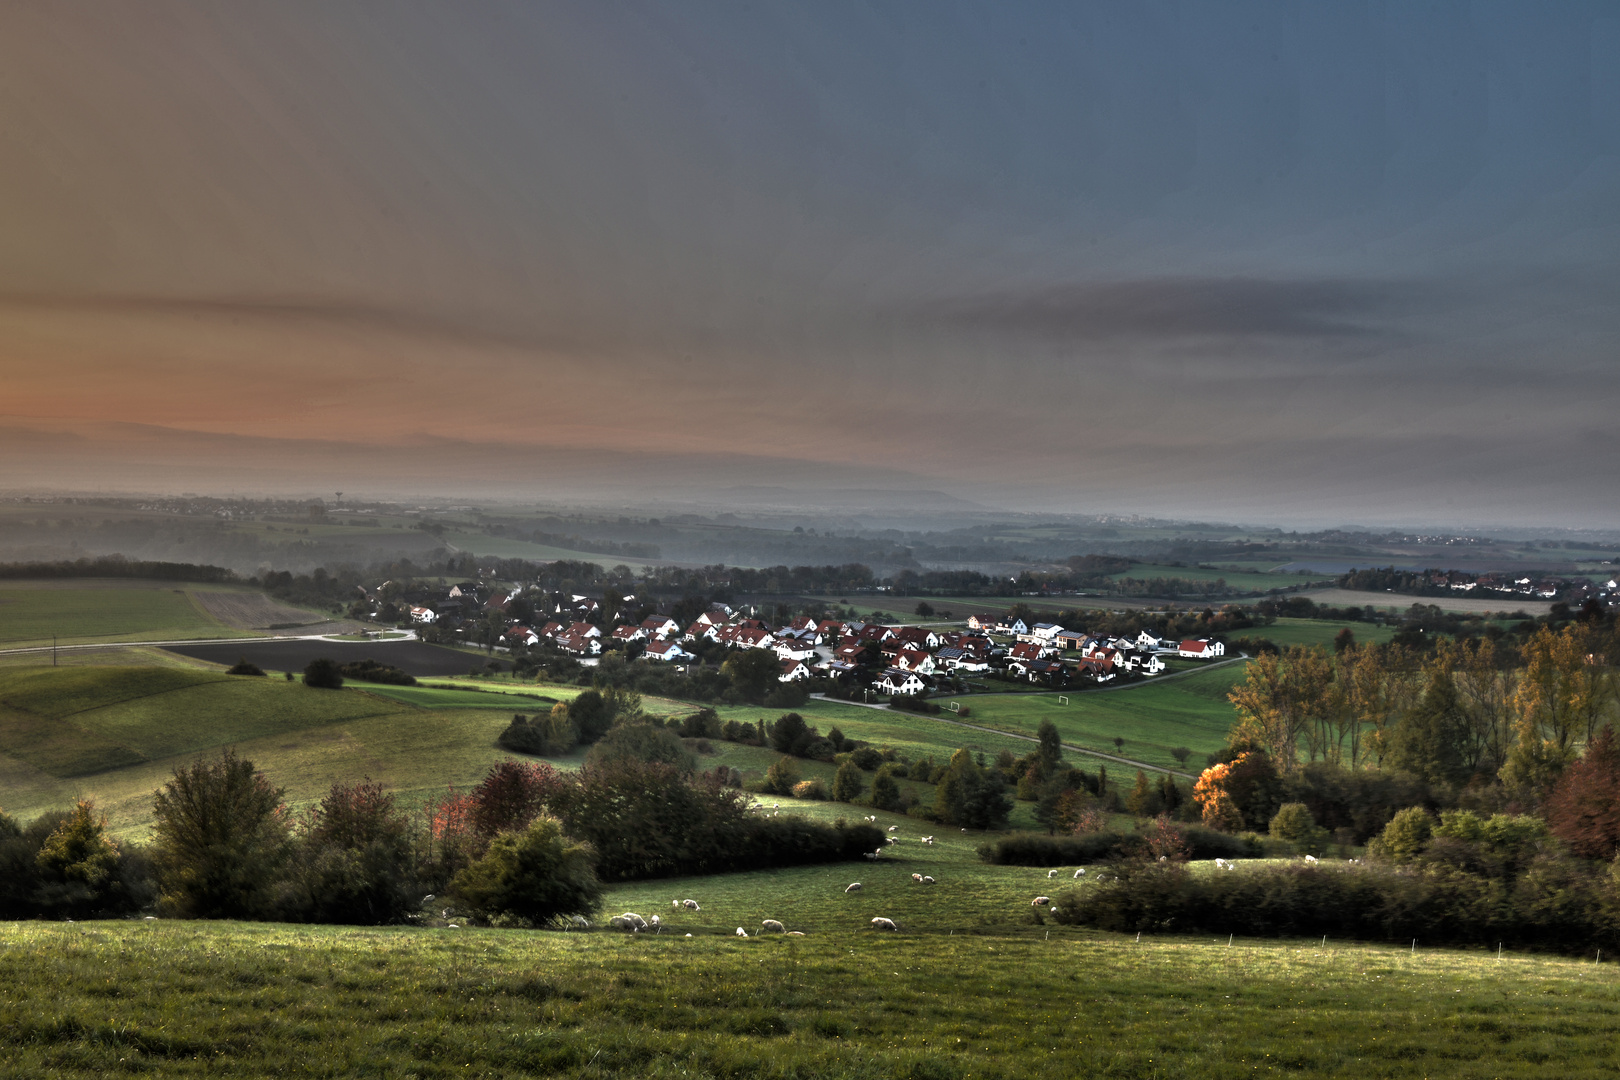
(251, 1000)
(1317, 632)
(78, 613)
(1235, 579)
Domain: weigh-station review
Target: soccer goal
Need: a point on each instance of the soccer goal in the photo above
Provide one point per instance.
(955, 706)
(1062, 700)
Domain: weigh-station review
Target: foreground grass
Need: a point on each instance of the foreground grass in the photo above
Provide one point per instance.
(179, 999)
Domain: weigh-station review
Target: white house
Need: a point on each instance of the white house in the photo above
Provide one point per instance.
(1046, 631)
(895, 681)
(793, 671)
(1150, 641)
(1012, 626)
(660, 626)
(793, 649)
(666, 651)
(1201, 649)
(423, 615)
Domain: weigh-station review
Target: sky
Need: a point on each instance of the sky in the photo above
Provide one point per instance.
(1281, 262)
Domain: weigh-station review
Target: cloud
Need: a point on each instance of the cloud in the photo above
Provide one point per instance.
(1188, 307)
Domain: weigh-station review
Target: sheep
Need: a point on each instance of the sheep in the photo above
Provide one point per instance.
(634, 920)
(1040, 901)
(1051, 874)
(917, 878)
(927, 880)
(619, 922)
(854, 886)
(871, 817)
(579, 922)
(675, 905)
(690, 905)
(894, 828)
(1220, 864)
(880, 923)
(928, 840)
(1310, 858)
(1080, 873)
(653, 922)
(891, 840)
(795, 933)
(773, 926)
(741, 932)
(870, 854)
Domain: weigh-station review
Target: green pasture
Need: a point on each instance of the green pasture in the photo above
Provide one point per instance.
(29, 615)
(1152, 718)
(509, 548)
(432, 697)
(1316, 632)
(983, 999)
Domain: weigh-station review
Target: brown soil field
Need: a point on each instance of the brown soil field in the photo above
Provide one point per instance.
(256, 611)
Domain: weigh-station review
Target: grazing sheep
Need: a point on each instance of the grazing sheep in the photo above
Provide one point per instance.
(927, 880)
(741, 932)
(1040, 901)
(619, 922)
(881, 923)
(1051, 874)
(917, 878)
(928, 839)
(653, 922)
(891, 840)
(795, 933)
(1310, 858)
(894, 828)
(580, 922)
(854, 886)
(773, 926)
(870, 854)
(690, 905)
(871, 817)
(1221, 864)
(427, 898)
(675, 904)
(1080, 873)
(634, 920)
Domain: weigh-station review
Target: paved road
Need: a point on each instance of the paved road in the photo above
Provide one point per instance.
(1013, 735)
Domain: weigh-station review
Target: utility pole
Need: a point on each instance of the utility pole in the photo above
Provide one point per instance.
(53, 649)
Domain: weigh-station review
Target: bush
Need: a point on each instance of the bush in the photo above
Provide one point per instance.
(866, 759)
(787, 695)
(242, 667)
(220, 840)
(537, 875)
(323, 673)
(848, 782)
(642, 742)
(1404, 837)
(917, 703)
(1293, 823)
(780, 777)
(353, 863)
(885, 791)
(812, 788)
(1039, 849)
(372, 671)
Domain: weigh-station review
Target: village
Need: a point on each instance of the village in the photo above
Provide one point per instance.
(837, 655)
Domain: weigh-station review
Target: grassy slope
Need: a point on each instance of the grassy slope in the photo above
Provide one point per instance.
(230, 999)
(76, 614)
(1316, 632)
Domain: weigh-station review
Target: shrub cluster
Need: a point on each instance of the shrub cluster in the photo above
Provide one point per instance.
(372, 671)
(1038, 849)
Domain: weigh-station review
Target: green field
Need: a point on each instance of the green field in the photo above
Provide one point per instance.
(30, 614)
(1189, 710)
(250, 1000)
(1316, 632)
(1236, 579)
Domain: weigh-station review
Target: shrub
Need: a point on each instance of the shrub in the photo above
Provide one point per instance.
(866, 759)
(1106, 845)
(787, 695)
(220, 839)
(512, 794)
(242, 667)
(788, 731)
(971, 796)
(917, 703)
(371, 671)
(1293, 823)
(642, 742)
(1404, 837)
(537, 875)
(780, 777)
(1584, 807)
(703, 724)
(848, 782)
(354, 861)
(813, 788)
(323, 673)
(885, 791)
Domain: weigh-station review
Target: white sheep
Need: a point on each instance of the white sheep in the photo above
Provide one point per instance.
(854, 886)
(619, 922)
(891, 840)
(1310, 858)
(653, 922)
(917, 878)
(795, 933)
(927, 880)
(580, 922)
(690, 905)
(634, 920)
(675, 905)
(1040, 901)
(1221, 864)
(741, 932)
(880, 923)
(1051, 874)
(928, 840)
(1080, 873)
(894, 828)
(773, 926)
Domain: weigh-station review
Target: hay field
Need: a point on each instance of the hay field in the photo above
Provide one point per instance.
(86, 612)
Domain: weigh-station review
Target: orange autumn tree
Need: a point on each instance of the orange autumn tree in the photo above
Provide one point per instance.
(1219, 809)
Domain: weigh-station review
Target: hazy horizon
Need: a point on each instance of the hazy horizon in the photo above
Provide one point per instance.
(1258, 263)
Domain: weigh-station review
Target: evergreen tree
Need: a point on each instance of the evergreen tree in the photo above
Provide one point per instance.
(848, 783)
(885, 790)
(1050, 754)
